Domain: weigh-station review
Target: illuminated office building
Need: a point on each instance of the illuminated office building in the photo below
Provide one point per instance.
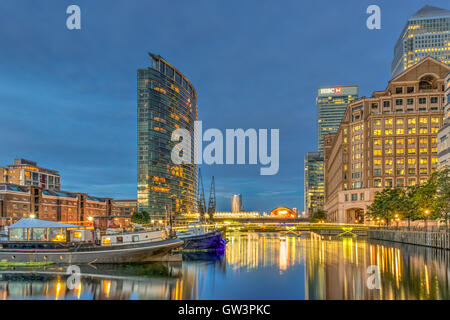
(313, 182)
(427, 33)
(386, 140)
(166, 101)
(331, 105)
(444, 132)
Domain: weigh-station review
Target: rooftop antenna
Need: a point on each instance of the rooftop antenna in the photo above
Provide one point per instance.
(212, 200)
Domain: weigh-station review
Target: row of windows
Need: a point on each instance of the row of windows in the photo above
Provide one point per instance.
(401, 161)
(400, 182)
(401, 121)
(422, 150)
(400, 131)
(411, 141)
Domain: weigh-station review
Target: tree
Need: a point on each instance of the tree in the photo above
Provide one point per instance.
(318, 215)
(389, 204)
(441, 205)
(140, 217)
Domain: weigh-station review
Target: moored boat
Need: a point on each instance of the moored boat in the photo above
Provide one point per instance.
(199, 238)
(41, 241)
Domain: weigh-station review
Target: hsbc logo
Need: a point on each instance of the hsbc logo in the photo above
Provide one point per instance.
(331, 90)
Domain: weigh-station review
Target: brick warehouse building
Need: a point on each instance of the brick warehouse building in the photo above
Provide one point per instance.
(387, 140)
(24, 201)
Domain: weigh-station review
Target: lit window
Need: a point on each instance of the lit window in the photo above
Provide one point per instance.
(400, 161)
(400, 131)
(388, 121)
(400, 151)
(423, 161)
(377, 142)
(388, 132)
(423, 150)
(411, 120)
(412, 161)
(423, 130)
(412, 130)
(377, 132)
(399, 121)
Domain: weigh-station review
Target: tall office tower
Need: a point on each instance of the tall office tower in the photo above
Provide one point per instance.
(444, 132)
(236, 203)
(386, 140)
(427, 33)
(313, 182)
(166, 101)
(331, 105)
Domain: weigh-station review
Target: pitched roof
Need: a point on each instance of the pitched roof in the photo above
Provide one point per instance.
(37, 223)
(426, 59)
(430, 11)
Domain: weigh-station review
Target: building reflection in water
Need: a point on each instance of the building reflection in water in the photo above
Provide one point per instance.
(337, 269)
(300, 267)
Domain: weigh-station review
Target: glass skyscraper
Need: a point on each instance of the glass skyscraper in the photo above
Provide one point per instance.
(166, 101)
(427, 33)
(331, 105)
(314, 192)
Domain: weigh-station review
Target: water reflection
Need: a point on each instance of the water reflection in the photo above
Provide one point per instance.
(254, 266)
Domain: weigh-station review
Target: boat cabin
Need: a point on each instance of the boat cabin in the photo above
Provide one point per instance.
(27, 229)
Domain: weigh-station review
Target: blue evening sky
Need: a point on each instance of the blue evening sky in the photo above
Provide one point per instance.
(68, 98)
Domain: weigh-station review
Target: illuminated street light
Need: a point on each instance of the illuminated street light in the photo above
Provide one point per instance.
(90, 218)
(32, 216)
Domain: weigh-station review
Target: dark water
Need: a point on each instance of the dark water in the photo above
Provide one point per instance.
(255, 266)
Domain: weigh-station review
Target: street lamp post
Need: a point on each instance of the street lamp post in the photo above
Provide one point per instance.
(426, 219)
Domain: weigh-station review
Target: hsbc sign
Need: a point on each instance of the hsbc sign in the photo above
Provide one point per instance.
(331, 90)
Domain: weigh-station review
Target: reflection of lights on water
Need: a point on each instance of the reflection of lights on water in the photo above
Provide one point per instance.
(107, 287)
(283, 255)
(58, 289)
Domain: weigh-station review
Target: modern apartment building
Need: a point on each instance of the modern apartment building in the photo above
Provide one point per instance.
(236, 203)
(389, 139)
(166, 101)
(314, 189)
(126, 207)
(27, 173)
(427, 33)
(18, 201)
(444, 132)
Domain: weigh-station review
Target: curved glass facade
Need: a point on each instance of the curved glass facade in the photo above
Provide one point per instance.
(166, 101)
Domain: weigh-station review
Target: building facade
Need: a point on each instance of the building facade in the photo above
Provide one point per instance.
(427, 33)
(27, 173)
(17, 202)
(236, 203)
(331, 105)
(313, 187)
(444, 132)
(126, 207)
(166, 101)
(387, 140)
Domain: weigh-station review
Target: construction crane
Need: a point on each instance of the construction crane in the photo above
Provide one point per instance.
(201, 200)
(212, 200)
